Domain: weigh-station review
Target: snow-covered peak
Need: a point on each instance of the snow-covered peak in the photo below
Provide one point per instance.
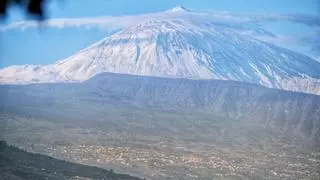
(179, 9)
(186, 46)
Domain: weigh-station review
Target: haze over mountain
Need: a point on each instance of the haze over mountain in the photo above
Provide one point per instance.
(157, 118)
(288, 112)
(182, 43)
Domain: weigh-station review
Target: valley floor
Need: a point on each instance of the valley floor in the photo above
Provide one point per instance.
(201, 151)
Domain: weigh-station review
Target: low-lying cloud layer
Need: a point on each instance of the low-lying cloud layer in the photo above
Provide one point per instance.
(243, 22)
(124, 21)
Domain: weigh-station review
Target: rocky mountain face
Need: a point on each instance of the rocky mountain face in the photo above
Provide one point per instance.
(181, 45)
(288, 112)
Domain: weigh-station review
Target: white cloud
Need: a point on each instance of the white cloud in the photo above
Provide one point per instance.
(124, 21)
(307, 43)
(100, 22)
(246, 23)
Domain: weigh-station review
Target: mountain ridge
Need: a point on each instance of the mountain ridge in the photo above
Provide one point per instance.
(293, 113)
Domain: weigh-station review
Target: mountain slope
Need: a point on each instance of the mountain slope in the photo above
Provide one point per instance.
(288, 112)
(184, 47)
(266, 129)
(18, 164)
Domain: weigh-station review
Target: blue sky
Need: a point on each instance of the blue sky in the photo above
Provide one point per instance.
(34, 46)
(76, 8)
(81, 8)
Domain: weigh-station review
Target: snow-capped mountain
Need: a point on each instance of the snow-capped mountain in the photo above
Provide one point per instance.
(181, 44)
(179, 9)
